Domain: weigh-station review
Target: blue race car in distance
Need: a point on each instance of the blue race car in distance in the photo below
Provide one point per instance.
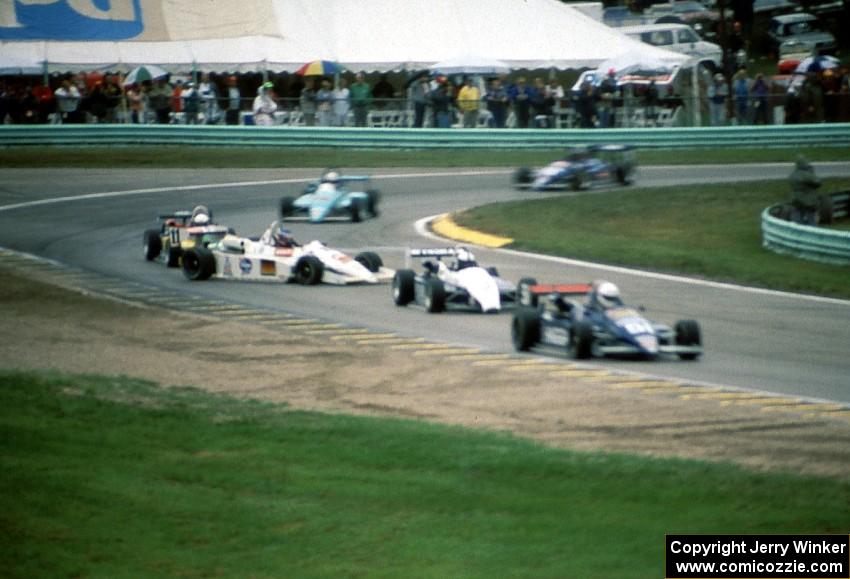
(581, 167)
(602, 326)
(331, 197)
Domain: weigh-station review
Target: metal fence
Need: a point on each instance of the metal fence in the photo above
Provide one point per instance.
(781, 235)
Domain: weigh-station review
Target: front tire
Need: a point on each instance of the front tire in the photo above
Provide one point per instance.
(309, 270)
(404, 288)
(581, 340)
(173, 255)
(688, 334)
(525, 329)
(198, 264)
(435, 296)
(287, 207)
(373, 197)
(152, 244)
(370, 260)
(577, 182)
(355, 211)
(522, 177)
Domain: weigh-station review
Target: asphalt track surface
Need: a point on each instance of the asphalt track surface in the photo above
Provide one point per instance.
(755, 340)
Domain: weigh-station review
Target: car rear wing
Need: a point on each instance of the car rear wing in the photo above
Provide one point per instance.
(564, 289)
(424, 253)
(182, 216)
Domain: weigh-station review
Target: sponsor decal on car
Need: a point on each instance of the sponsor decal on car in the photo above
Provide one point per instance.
(283, 252)
(245, 265)
(227, 270)
(268, 267)
(555, 335)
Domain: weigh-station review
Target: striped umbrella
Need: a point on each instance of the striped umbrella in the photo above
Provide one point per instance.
(319, 68)
(143, 73)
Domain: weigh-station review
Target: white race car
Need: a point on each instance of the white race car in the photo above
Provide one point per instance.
(463, 284)
(276, 256)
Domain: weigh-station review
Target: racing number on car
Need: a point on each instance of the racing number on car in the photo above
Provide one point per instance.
(175, 237)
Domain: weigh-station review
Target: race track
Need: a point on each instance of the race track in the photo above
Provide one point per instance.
(758, 340)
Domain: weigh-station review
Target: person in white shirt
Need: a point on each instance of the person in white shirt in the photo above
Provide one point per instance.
(264, 106)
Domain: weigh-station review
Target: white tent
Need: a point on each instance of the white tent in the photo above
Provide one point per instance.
(281, 35)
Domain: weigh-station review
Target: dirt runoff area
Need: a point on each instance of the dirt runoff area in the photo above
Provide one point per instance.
(44, 326)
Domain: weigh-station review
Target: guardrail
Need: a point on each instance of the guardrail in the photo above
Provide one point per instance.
(393, 138)
(808, 242)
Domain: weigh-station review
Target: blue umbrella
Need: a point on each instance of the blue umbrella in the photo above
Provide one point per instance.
(817, 63)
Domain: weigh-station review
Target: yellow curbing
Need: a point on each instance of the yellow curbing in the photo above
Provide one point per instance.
(445, 226)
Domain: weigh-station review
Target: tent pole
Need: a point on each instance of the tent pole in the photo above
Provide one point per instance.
(45, 73)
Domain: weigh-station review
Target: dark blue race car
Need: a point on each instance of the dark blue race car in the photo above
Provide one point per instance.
(581, 167)
(601, 326)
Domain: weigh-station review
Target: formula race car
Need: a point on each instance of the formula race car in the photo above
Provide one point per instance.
(331, 197)
(460, 285)
(276, 256)
(581, 167)
(601, 326)
(179, 231)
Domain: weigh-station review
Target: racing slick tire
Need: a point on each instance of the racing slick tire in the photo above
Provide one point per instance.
(522, 176)
(688, 334)
(623, 176)
(404, 287)
(173, 255)
(355, 211)
(525, 329)
(373, 198)
(435, 296)
(581, 341)
(198, 264)
(524, 295)
(309, 270)
(577, 182)
(287, 207)
(152, 244)
(370, 260)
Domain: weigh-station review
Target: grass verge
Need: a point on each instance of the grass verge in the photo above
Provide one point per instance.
(710, 231)
(114, 477)
(246, 158)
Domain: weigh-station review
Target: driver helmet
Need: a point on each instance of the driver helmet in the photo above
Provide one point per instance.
(608, 294)
(201, 215)
(331, 177)
(282, 237)
(465, 258)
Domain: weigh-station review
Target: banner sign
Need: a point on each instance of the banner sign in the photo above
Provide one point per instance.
(98, 20)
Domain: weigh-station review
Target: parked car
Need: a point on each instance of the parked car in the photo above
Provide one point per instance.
(801, 27)
(678, 38)
(771, 8)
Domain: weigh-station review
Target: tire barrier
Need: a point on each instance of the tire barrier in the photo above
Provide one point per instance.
(836, 134)
(781, 235)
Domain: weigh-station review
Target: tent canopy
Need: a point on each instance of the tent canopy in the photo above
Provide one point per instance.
(281, 35)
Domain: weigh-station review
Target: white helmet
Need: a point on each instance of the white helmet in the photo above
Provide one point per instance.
(465, 258)
(330, 177)
(608, 294)
(200, 215)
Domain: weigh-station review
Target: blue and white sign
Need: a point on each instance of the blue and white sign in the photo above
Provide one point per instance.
(105, 20)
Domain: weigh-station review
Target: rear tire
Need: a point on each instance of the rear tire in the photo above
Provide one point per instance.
(577, 182)
(374, 198)
(309, 270)
(287, 207)
(688, 334)
(355, 211)
(525, 329)
(152, 244)
(522, 176)
(435, 296)
(198, 264)
(581, 341)
(370, 260)
(404, 288)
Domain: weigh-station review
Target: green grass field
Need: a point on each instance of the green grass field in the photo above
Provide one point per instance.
(203, 157)
(710, 231)
(115, 477)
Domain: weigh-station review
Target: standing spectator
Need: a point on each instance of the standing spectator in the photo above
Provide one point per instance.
(324, 104)
(497, 103)
(176, 97)
(383, 92)
(606, 94)
(136, 103)
(160, 100)
(650, 103)
(208, 92)
(741, 90)
(419, 90)
(68, 99)
(717, 93)
(44, 101)
(760, 92)
(98, 103)
(341, 103)
(543, 105)
(307, 102)
(586, 106)
(234, 102)
(264, 106)
(361, 100)
(112, 90)
(805, 200)
(441, 104)
(191, 103)
(811, 100)
(520, 96)
(468, 101)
